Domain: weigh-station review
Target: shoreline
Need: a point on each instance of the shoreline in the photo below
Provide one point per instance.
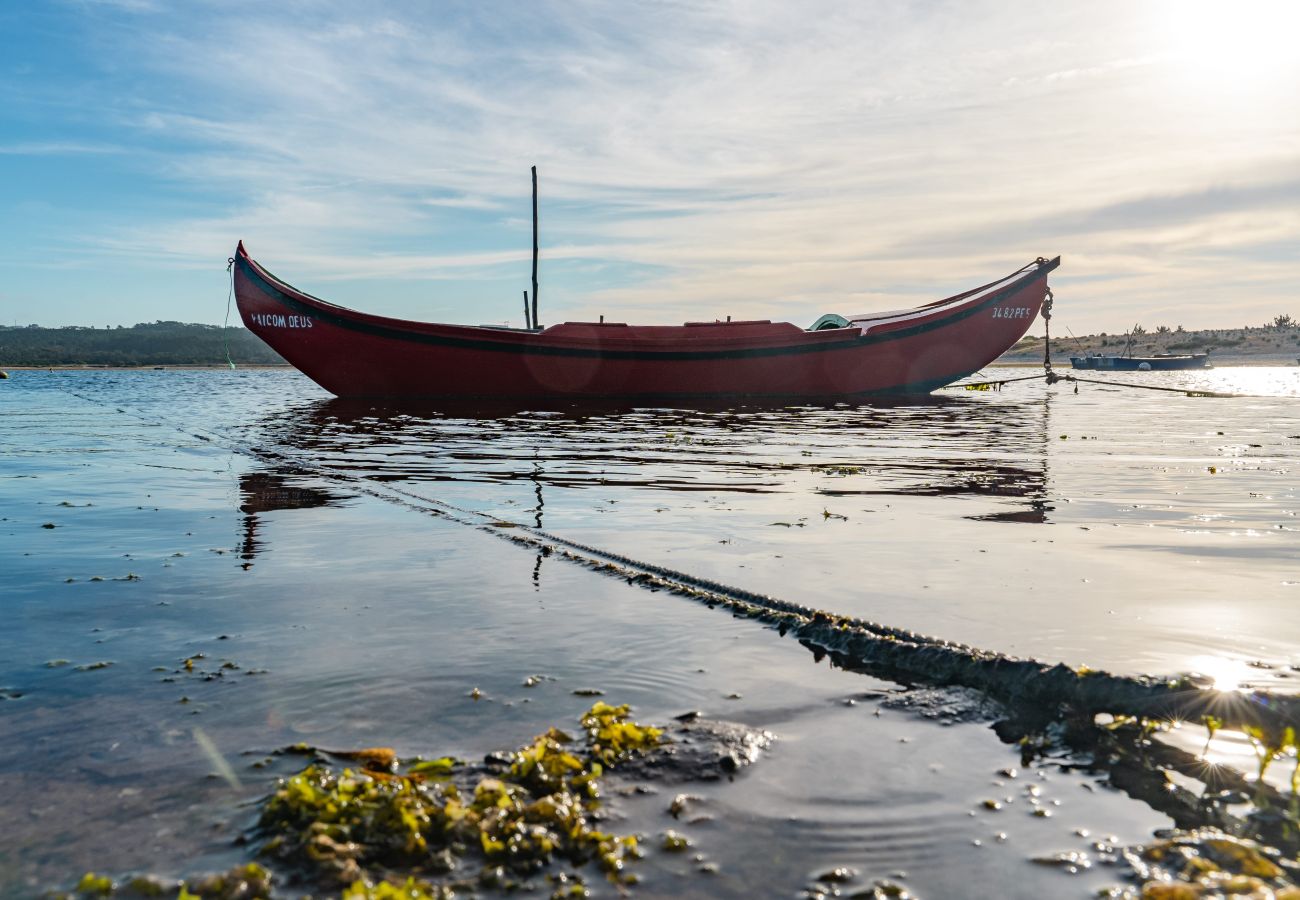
(1018, 361)
(1223, 361)
(183, 367)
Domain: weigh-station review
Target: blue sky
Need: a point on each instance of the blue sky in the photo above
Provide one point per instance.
(757, 159)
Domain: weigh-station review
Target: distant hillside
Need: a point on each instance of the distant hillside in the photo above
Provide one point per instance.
(156, 344)
(1262, 345)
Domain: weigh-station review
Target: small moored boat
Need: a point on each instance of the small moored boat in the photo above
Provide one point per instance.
(355, 354)
(1159, 362)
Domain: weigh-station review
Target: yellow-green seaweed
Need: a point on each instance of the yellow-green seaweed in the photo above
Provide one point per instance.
(352, 826)
(248, 881)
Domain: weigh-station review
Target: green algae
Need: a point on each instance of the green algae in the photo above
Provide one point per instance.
(1207, 863)
(354, 827)
(381, 828)
(410, 889)
(94, 885)
(840, 470)
(249, 881)
(674, 842)
(613, 736)
(442, 767)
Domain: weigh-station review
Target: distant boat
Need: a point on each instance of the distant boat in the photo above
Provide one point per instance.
(355, 354)
(1159, 362)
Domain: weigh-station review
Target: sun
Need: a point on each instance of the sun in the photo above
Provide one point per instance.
(1234, 45)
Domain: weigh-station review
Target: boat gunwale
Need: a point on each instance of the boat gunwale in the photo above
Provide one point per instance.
(525, 341)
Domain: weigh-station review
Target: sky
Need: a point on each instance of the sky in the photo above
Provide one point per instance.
(696, 159)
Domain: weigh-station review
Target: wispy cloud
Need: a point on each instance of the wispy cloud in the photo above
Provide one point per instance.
(55, 148)
(462, 202)
(770, 157)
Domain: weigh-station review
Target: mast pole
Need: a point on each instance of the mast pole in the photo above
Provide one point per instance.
(536, 323)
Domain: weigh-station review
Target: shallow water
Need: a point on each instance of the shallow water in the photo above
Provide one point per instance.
(1129, 530)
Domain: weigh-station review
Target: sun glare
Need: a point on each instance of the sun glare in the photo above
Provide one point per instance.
(1226, 674)
(1235, 45)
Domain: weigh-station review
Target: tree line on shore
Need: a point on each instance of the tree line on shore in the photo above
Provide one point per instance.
(145, 344)
(1278, 337)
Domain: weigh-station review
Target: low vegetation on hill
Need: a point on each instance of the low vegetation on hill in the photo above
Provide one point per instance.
(156, 344)
(1278, 341)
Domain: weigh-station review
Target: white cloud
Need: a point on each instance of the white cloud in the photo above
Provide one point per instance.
(765, 155)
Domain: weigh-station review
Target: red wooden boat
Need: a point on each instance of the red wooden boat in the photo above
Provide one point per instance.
(353, 354)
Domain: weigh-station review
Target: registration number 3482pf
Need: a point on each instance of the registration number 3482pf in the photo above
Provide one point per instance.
(1011, 312)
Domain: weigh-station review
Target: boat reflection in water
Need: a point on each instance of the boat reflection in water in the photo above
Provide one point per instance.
(638, 467)
(273, 490)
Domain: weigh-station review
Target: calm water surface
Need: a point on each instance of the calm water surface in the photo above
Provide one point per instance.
(247, 516)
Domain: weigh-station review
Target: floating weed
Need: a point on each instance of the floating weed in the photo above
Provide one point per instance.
(675, 843)
(442, 767)
(1212, 724)
(372, 759)
(95, 885)
(244, 882)
(840, 470)
(1269, 744)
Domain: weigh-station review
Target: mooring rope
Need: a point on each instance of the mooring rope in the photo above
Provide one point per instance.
(1190, 392)
(1052, 377)
(225, 328)
(894, 653)
(995, 384)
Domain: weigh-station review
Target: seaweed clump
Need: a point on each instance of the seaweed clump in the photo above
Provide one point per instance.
(377, 833)
(1206, 864)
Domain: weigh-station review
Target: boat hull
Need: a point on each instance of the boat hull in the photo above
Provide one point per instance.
(352, 354)
(1140, 363)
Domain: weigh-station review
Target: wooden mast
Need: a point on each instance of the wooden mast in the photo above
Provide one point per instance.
(536, 323)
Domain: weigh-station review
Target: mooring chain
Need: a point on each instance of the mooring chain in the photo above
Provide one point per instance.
(763, 601)
(1051, 376)
(497, 525)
